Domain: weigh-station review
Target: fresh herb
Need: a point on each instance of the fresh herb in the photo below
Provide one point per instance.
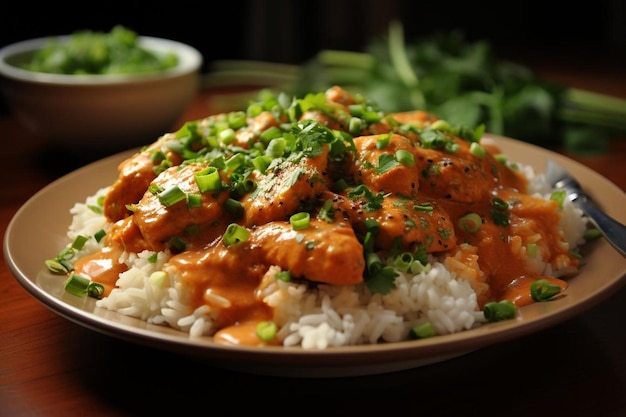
(95, 53)
(466, 84)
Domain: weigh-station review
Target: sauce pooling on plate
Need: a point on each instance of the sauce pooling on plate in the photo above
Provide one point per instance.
(319, 187)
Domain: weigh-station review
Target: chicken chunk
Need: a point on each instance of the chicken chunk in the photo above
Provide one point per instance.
(282, 191)
(159, 222)
(323, 252)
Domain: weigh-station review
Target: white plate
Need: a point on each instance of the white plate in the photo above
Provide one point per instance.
(37, 232)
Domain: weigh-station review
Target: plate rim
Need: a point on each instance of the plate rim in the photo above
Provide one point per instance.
(281, 361)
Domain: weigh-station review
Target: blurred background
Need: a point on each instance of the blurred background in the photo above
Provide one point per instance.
(291, 31)
(557, 43)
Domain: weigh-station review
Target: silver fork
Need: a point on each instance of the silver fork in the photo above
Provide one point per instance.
(613, 231)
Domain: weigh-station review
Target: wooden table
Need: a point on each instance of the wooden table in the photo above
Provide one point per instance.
(50, 366)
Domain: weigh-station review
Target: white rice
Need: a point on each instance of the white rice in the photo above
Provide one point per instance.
(328, 316)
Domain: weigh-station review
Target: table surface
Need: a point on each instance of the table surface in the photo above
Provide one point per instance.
(51, 366)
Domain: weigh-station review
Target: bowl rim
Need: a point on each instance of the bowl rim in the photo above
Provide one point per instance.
(190, 60)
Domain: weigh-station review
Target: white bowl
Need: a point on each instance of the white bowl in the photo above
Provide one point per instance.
(104, 112)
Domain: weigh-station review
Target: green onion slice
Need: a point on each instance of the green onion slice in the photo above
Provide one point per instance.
(266, 331)
(300, 220)
(208, 179)
(498, 311)
(405, 157)
(543, 290)
(194, 200)
(99, 235)
(477, 149)
(235, 234)
(79, 242)
(76, 285)
(171, 196)
(470, 222)
(95, 290)
(422, 331)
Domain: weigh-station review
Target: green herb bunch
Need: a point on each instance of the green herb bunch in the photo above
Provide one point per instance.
(466, 84)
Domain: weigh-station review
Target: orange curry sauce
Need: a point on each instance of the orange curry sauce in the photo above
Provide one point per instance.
(451, 184)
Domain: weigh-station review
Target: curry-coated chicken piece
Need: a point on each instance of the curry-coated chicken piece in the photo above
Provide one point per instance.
(249, 134)
(135, 174)
(462, 176)
(158, 222)
(376, 164)
(323, 252)
(286, 188)
(337, 94)
(409, 222)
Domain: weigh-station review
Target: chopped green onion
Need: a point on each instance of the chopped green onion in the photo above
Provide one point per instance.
(373, 262)
(276, 147)
(499, 204)
(283, 276)
(499, 218)
(235, 161)
(431, 169)
(477, 149)
(234, 207)
(355, 125)
(194, 200)
(266, 331)
(417, 267)
(177, 243)
(300, 220)
(254, 109)
(269, 134)
(99, 235)
(501, 158)
(498, 311)
(235, 234)
(262, 162)
(76, 284)
(422, 331)
(542, 290)
(79, 242)
(498, 213)
(227, 136)
(559, 197)
(158, 278)
(56, 266)
(95, 290)
(171, 196)
(441, 125)
(382, 141)
(592, 233)
(423, 207)
(470, 222)
(403, 261)
(237, 119)
(576, 254)
(405, 157)
(208, 179)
